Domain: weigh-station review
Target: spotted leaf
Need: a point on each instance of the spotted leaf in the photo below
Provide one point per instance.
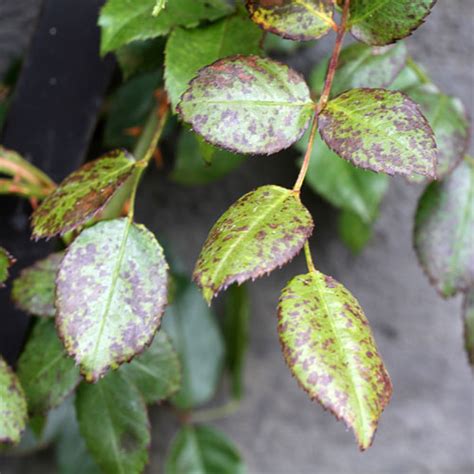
(444, 229)
(380, 22)
(293, 19)
(330, 350)
(33, 291)
(380, 130)
(82, 194)
(13, 414)
(6, 261)
(248, 104)
(111, 293)
(468, 315)
(262, 231)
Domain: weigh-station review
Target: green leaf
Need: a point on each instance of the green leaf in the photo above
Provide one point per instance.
(468, 316)
(187, 51)
(157, 372)
(330, 350)
(113, 420)
(45, 371)
(193, 330)
(159, 5)
(262, 231)
(411, 76)
(202, 450)
(6, 261)
(361, 66)
(13, 414)
(354, 231)
(380, 22)
(111, 294)
(277, 44)
(191, 155)
(236, 333)
(380, 130)
(248, 104)
(82, 195)
(296, 19)
(444, 225)
(123, 22)
(33, 291)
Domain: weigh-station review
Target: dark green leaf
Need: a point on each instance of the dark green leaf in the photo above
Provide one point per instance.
(195, 335)
(380, 22)
(468, 316)
(329, 348)
(13, 414)
(380, 130)
(123, 22)
(33, 291)
(82, 195)
(111, 293)
(157, 372)
(262, 231)
(354, 232)
(444, 226)
(114, 423)
(189, 50)
(248, 104)
(6, 261)
(45, 371)
(202, 450)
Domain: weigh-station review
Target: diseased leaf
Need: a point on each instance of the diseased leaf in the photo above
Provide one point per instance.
(6, 261)
(380, 22)
(444, 228)
(330, 350)
(111, 294)
(353, 231)
(114, 423)
(13, 414)
(380, 130)
(45, 371)
(189, 50)
(193, 330)
(123, 22)
(293, 19)
(202, 450)
(248, 104)
(82, 195)
(262, 231)
(157, 372)
(468, 316)
(33, 291)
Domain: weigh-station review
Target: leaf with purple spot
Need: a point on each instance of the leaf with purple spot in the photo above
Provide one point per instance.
(329, 348)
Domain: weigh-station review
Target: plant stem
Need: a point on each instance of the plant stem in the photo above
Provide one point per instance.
(418, 71)
(309, 258)
(205, 416)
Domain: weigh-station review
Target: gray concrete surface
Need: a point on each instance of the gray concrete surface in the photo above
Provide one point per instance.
(429, 425)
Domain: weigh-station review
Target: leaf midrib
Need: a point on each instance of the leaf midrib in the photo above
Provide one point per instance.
(322, 16)
(376, 7)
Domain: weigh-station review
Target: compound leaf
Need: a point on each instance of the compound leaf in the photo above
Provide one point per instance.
(82, 195)
(262, 231)
(329, 348)
(114, 424)
(33, 291)
(111, 293)
(248, 104)
(444, 226)
(45, 371)
(293, 19)
(380, 130)
(468, 316)
(6, 261)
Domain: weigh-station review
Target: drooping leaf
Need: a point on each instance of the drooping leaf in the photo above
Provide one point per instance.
(123, 22)
(189, 50)
(330, 350)
(45, 371)
(111, 293)
(262, 231)
(33, 291)
(82, 195)
(353, 231)
(6, 261)
(380, 22)
(157, 372)
(114, 423)
(293, 19)
(193, 330)
(444, 229)
(361, 66)
(468, 316)
(13, 414)
(380, 130)
(202, 450)
(248, 104)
